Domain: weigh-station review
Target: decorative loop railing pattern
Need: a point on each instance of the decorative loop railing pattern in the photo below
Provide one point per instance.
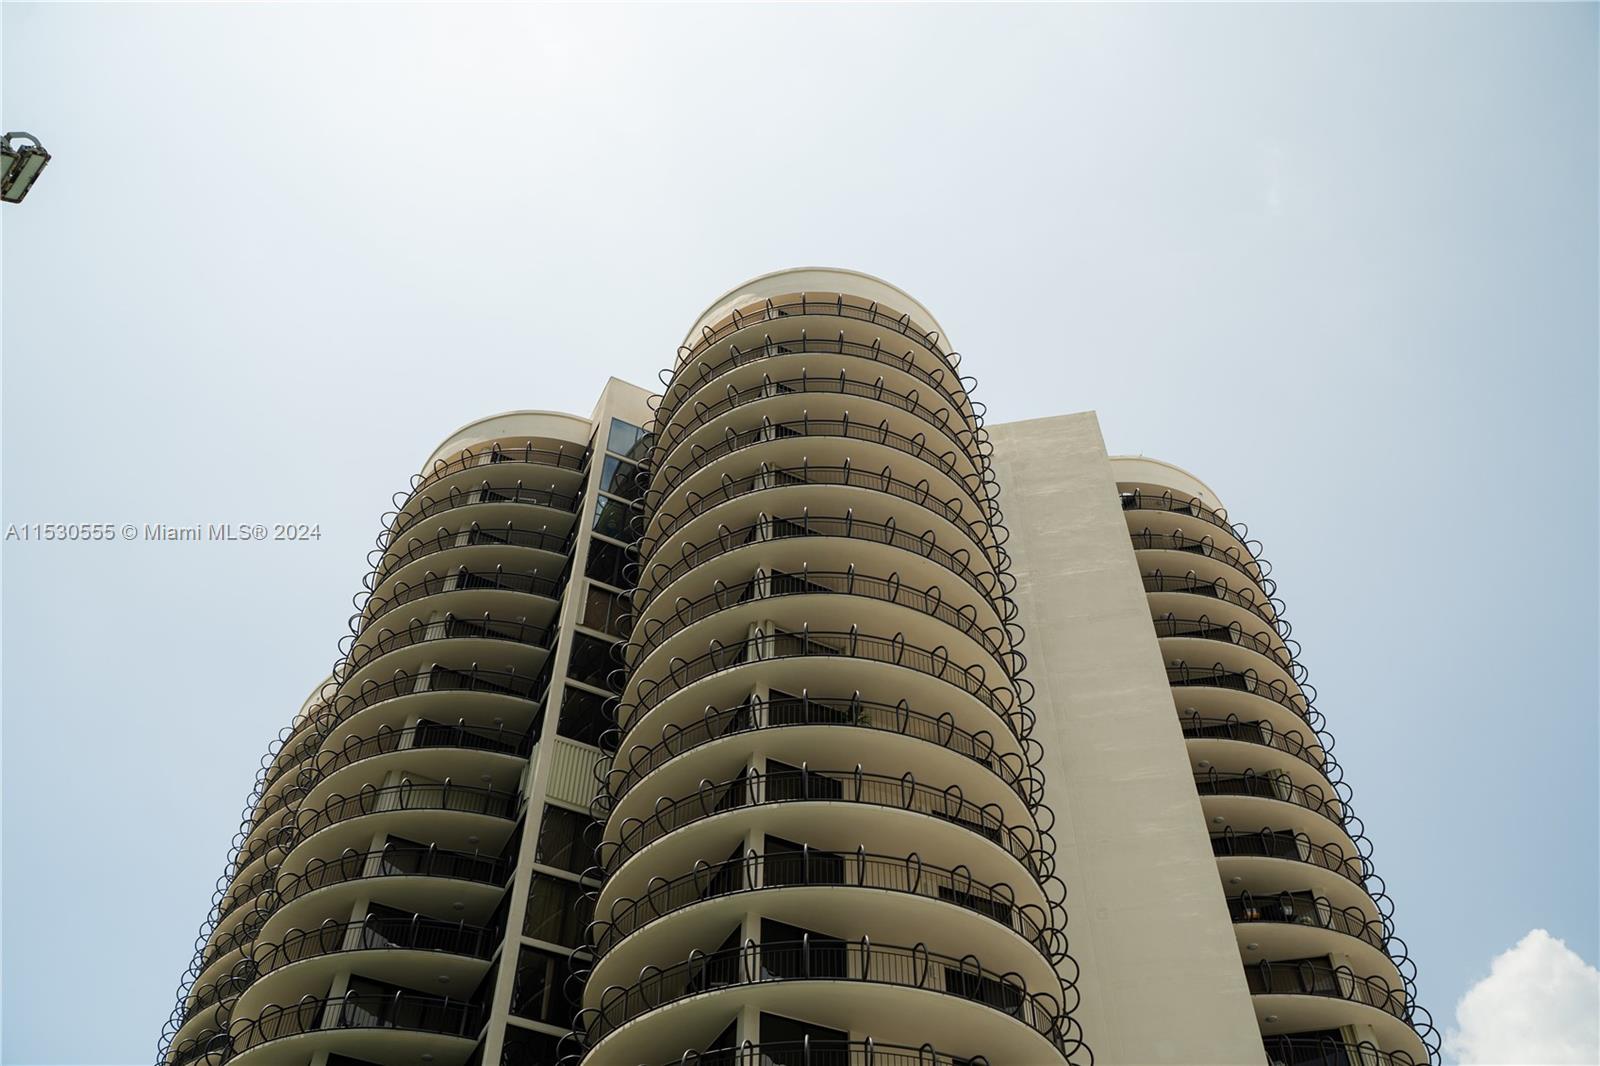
(899, 718)
(1033, 850)
(753, 872)
(474, 536)
(1294, 847)
(1260, 732)
(1287, 908)
(1204, 546)
(823, 1053)
(859, 962)
(393, 860)
(1305, 977)
(374, 933)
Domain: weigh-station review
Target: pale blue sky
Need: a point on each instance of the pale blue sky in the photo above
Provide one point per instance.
(1341, 262)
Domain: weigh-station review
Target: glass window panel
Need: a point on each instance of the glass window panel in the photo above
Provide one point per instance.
(626, 439)
(583, 716)
(614, 518)
(607, 562)
(606, 611)
(620, 479)
(591, 661)
(566, 840)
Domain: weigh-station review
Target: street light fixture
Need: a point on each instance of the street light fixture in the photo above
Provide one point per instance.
(22, 166)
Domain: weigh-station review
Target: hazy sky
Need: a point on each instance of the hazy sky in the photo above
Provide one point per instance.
(1341, 262)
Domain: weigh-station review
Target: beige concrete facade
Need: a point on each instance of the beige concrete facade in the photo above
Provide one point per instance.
(1162, 981)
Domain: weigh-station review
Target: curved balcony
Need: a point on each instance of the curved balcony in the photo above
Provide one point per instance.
(822, 786)
(1307, 994)
(978, 531)
(475, 535)
(1282, 846)
(839, 647)
(792, 393)
(780, 437)
(1313, 915)
(511, 634)
(768, 530)
(902, 875)
(1260, 732)
(856, 967)
(1274, 787)
(1265, 646)
(495, 456)
(481, 503)
(1299, 1051)
(421, 805)
(475, 591)
(393, 861)
(1244, 682)
(840, 353)
(403, 1023)
(854, 713)
(1145, 540)
(1189, 585)
(833, 1053)
(761, 591)
(510, 695)
(1187, 508)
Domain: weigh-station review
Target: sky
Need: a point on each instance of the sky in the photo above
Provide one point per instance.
(1341, 262)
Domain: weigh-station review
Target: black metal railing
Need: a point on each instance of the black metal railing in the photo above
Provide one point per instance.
(498, 741)
(768, 311)
(1010, 767)
(1218, 589)
(766, 586)
(461, 579)
(1294, 847)
(450, 627)
(1268, 647)
(753, 872)
(682, 387)
(1287, 908)
(939, 420)
(1273, 786)
(754, 789)
(859, 962)
(1183, 675)
(1135, 500)
(1204, 546)
(810, 1052)
(406, 796)
(401, 1010)
(770, 528)
(374, 933)
(983, 535)
(768, 647)
(397, 523)
(393, 860)
(474, 536)
(1329, 1051)
(981, 494)
(1306, 977)
(1255, 732)
(495, 454)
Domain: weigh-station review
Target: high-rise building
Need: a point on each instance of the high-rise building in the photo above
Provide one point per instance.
(736, 725)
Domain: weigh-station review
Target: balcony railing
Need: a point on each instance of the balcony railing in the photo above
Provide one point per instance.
(896, 718)
(683, 386)
(1222, 632)
(1306, 977)
(1144, 501)
(775, 872)
(1265, 610)
(1295, 847)
(1287, 908)
(826, 1053)
(498, 741)
(754, 789)
(406, 796)
(938, 421)
(1254, 732)
(1326, 1051)
(1272, 786)
(1230, 557)
(894, 651)
(1183, 675)
(770, 432)
(860, 963)
(462, 579)
(765, 586)
(417, 933)
(470, 460)
(808, 525)
(475, 536)
(401, 1010)
(801, 304)
(980, 532)
(393, 860)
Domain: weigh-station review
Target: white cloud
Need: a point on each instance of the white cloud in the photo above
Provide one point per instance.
(1539, 1004)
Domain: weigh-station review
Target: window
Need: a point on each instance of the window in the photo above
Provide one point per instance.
(620, 479)
(613, 518)
(591, 661)
(558, 911)
(627, 439)
(583, 716)
(566, 840)
(607, 611)
(607, 562)
(540, 989)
